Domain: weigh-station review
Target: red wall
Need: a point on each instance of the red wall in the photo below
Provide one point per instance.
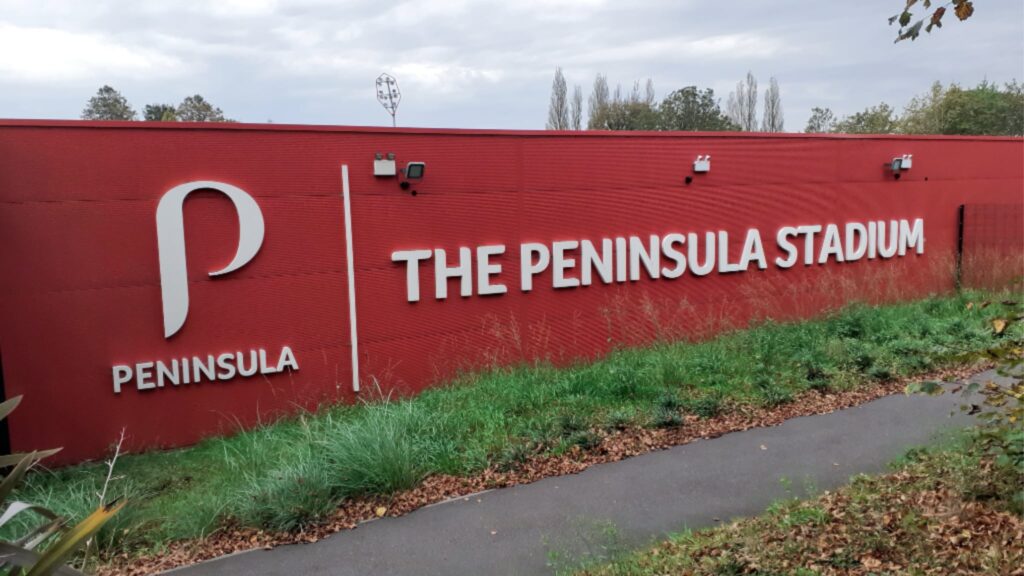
(80, 285)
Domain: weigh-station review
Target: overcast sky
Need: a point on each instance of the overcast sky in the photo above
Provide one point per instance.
(478, 64)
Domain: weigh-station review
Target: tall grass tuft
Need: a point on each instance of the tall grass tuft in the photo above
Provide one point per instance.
(292, 472)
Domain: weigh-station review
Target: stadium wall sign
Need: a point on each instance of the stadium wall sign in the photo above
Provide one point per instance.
(182, 280)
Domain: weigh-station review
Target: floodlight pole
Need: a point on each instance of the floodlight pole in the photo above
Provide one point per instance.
(389, 95)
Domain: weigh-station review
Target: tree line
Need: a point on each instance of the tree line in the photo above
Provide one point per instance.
(687, 109)
(986, 109)
(109, 104)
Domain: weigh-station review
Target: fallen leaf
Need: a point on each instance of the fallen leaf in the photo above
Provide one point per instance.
(999, 325)
(870, 562)
(380, 511)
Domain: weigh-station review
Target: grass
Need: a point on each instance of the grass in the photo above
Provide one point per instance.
(291, 473)
(946, 509)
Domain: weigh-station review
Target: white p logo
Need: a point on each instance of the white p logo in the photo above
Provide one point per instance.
(170, 234)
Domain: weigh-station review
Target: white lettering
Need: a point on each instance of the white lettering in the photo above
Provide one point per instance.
(831, 245)
(559, 264)
(782, 239)
(888, 249)
(195, 369)
(253, 367)
(911, 237)
(674, 255)
(855, 250)
(590, 261)
(620, 259)
(724, 267)
(143, 373)
(287, 360)
(207, 368)
(527, 264)
(122, 375)
(442, 272)
(648, 255)
(412, 260)
(808, 232)
(753, 249)
(484, 270)
(163, 372)
(226, 366)
(709, 254)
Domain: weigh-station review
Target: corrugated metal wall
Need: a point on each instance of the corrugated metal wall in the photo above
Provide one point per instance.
(80, 278)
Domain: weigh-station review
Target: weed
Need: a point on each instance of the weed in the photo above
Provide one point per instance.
(584, 439)
(668, 400)
(569, 424)
(706, 406)
(771, 393)
(619, 419)
(666, 418)
(514, 455)
(880, 373)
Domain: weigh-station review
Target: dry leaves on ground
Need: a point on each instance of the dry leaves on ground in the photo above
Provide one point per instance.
(614, 446)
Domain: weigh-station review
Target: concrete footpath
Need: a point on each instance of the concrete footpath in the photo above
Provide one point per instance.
(557, 522)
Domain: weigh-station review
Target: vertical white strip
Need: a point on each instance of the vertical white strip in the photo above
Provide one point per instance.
(351, 278)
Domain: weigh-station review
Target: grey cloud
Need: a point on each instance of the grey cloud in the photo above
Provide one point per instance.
(479, 64)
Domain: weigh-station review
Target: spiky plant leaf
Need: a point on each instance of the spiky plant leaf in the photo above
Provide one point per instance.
(11, 555)
(12, 479)
(11, 459)
(8, 406)
(56, 555)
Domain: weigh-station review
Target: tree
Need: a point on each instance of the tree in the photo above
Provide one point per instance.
(108, 104)
(821, 120)
(923, 114)
(692, 109)
(773, 118)
(576, 109)
(558, 108)
(879, 119)
(742, 104)
(985, 109)
(963, 9)
(197, 109)
(637, 111)
(598, 102)
(160, 113)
